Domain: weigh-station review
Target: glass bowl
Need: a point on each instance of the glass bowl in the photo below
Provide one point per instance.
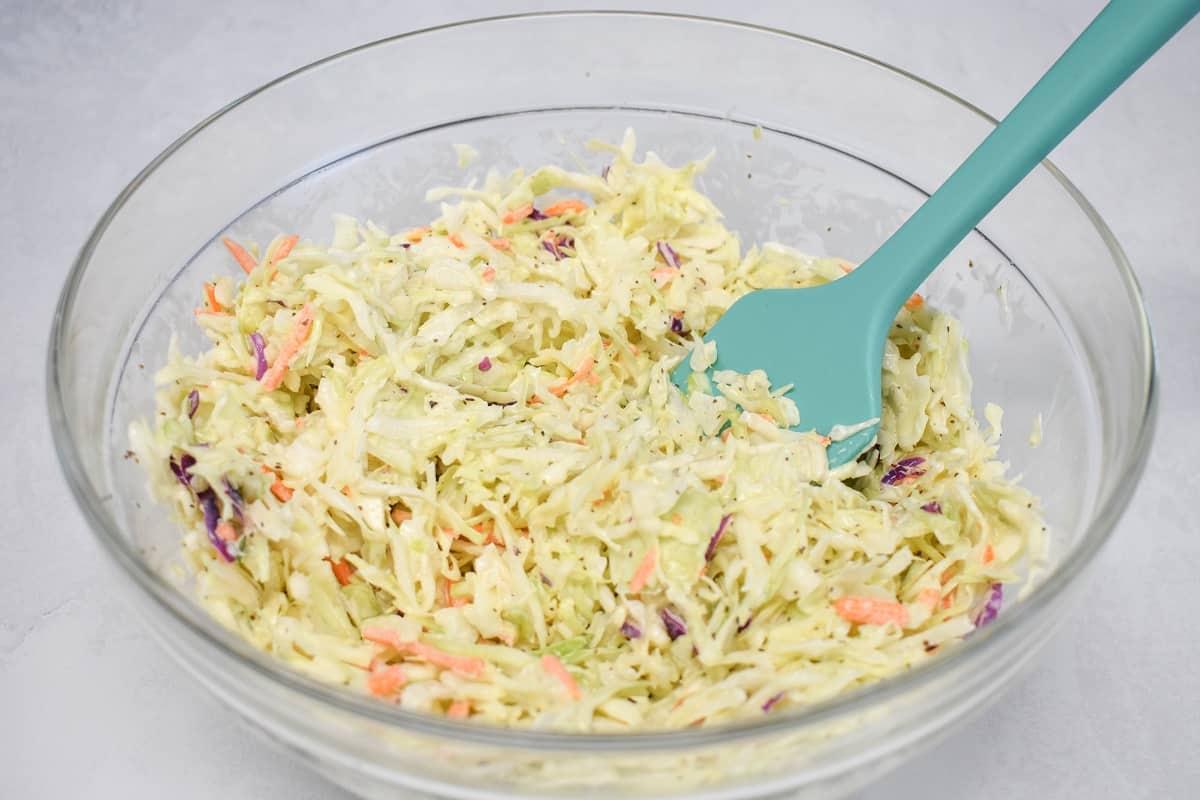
(814, 145)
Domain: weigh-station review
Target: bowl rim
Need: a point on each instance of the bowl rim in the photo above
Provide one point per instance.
(185, 612)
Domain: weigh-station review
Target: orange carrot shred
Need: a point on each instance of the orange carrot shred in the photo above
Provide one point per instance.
(555, 667)
(948, 600)
(869, 611)
(386, 680)
(664, 275)
(416, 234)
(914, 302)
(472, 667)
(282, 490)
(535, 401)
(401, 515)
(584, 373)
(500, 243)
(459, 709)
(929, 597)
(281, 252)
(644, 570)
(515, 214)
(210, 295)
(989, 555)
(239, 253)
(342, 570)
(463, 665)
(300, 330)
(564, 207)
(488, 274)
(457, 241)
(226, 532)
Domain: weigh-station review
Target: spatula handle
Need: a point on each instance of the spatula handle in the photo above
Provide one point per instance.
(1114, 45)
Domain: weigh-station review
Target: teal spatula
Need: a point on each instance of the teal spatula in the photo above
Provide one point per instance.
(828, 341)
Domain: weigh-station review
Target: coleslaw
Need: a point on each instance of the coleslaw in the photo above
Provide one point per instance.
(447, 467)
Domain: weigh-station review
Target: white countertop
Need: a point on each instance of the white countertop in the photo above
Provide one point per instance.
(92, 90)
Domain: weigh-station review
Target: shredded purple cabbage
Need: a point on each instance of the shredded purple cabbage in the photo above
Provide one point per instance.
(553, 243)
(235, 499)
(260, 354)
(711, 550)
(676, 627)
(904, 470)
(535, 214)
(771, 702)
(485, 364)
(630, 630)
(676, 324)
(745, 624)
(604, 172)
(669, 255)
(992, 607)
(193, 402)
(933, 508)
(212, 516)
(180, 469)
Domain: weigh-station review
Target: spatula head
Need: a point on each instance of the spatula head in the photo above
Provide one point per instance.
(826, 341)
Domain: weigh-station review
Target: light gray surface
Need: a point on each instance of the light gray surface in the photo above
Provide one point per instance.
(91, 91)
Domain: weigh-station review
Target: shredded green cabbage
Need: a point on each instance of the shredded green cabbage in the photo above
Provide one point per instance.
(476, 456)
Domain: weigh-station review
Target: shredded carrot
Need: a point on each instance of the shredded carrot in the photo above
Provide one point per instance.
(401, 515)
(633, 348)
(914, 302)
(342, 570)
(869, 611)
(210, 295)
(459, 709)
(488, 529)
(384, 636)
(226, 532)
(767, 417)
(929, 597)
(584, 373)
(515, 214)
(948, 600)
(725, 434)
(386, 680)
(644, 571)
(416, 234)
(282, 490)
(535, 401)
(677, 519)
(464, 665)
(239, 253)
(346, 491)
(989, 555)
(281, 252)
(300, 330)
(604, 498)
(488, 274)
(457, 241)
(664, 275)
(500, 243)
(564, 207)
(845, 268)
(551, 664)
